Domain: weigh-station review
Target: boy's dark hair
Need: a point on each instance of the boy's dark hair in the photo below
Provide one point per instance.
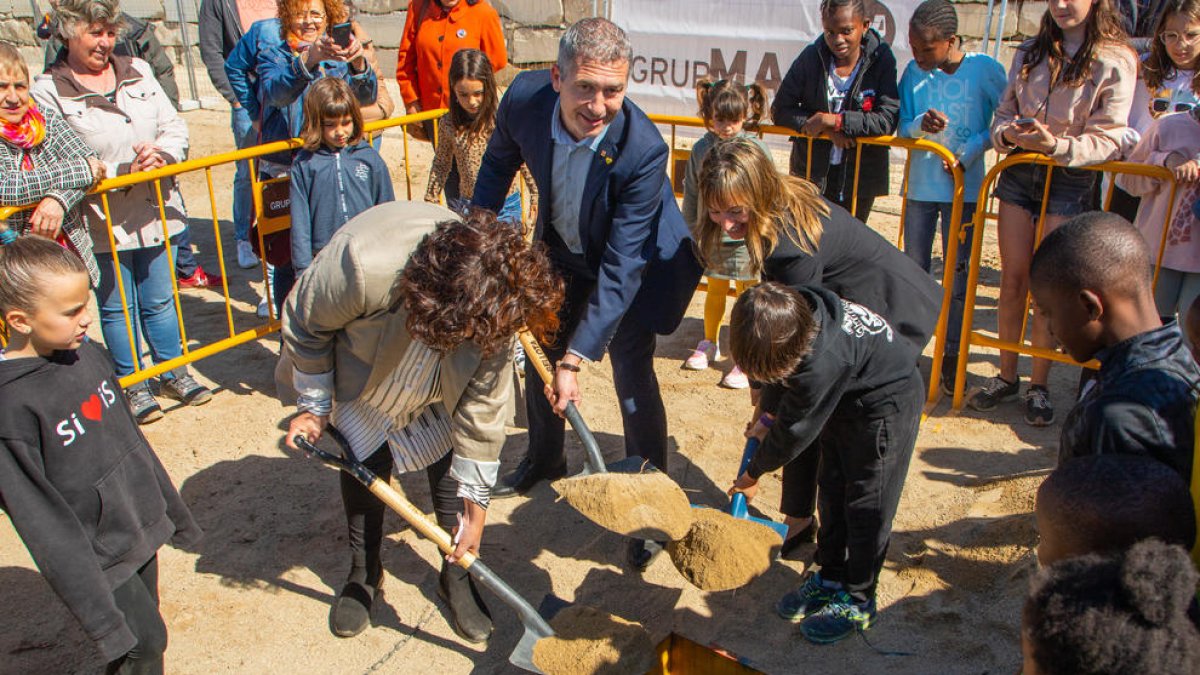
(329, 97)
(25, 264)
(828, 7)
(938, 15)
(1121, 613)
(472, 64)
(729, 100)
(1103, 503)
(771, 330)
(1097, 250)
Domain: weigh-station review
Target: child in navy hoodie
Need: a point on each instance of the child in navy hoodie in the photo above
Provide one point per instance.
(80, 483)
(337, 175)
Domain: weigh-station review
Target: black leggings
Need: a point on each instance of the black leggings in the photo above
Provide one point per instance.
(138, 600)
(364, 512)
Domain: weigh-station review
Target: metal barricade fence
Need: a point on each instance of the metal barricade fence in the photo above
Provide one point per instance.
(234, 337)
(971, 337)
(909, 145)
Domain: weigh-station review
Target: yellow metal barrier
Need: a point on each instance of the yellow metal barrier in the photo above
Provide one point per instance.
(206, 164)
(910, 145)
(970, 336)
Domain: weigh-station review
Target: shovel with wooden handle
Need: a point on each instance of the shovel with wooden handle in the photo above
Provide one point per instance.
(536, 627)
(595, 461)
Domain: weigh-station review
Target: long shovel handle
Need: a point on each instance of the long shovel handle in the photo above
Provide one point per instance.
(737, 504)
(541, 363)
(428, 529)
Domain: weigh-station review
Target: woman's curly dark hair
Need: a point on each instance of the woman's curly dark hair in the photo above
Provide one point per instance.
(1118, 613)
(479, 280)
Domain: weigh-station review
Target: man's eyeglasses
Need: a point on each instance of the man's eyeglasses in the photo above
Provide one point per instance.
(1162, 105)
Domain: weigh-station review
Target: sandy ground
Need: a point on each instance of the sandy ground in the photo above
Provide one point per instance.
(254, 596)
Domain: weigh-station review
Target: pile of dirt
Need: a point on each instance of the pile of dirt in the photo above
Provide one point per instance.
(721, 552)
(587, 640)
(640, 505)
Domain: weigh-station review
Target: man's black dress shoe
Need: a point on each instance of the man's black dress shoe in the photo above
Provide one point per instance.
(524, 477)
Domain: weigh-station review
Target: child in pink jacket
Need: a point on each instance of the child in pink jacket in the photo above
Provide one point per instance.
(1172, 141)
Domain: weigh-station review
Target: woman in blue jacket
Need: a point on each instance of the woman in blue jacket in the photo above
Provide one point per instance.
(274, 64)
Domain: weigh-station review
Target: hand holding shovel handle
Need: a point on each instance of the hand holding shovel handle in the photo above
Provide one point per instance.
(533, 352)
(535, 626)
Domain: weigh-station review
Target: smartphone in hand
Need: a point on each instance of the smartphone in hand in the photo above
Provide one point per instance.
(1024, 122)
(341, 33)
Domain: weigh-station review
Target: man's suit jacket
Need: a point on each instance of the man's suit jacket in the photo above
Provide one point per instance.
(636, 244)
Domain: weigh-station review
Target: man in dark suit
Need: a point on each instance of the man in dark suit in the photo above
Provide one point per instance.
(613, 230)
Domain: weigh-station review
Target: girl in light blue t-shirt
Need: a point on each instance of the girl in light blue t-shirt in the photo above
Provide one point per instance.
(946, 96)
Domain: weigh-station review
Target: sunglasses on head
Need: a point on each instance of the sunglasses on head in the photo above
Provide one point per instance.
(1162, 105)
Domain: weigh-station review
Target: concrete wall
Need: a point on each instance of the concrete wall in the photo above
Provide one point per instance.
(532, 29)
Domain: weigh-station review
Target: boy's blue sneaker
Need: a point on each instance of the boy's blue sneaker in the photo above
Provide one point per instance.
(840, 618)
(806, 600)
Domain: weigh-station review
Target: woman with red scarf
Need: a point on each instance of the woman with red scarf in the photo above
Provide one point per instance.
(43, 162)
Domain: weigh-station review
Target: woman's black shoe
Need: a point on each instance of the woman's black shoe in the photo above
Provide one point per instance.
(470, 618)
(351, 612)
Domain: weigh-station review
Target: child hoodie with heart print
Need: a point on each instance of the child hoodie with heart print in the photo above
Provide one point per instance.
(82, 486)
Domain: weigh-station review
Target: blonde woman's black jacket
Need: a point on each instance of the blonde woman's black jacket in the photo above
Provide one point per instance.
(872, 108)
(858, 264)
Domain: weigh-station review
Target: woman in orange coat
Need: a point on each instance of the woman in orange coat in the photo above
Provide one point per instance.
(433, 32)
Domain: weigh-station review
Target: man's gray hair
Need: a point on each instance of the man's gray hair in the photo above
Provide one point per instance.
(72, 16)
(593, 39)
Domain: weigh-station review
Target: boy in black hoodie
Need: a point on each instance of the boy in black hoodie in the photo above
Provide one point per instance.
(81, 485)
(841, 87)
(838, 380)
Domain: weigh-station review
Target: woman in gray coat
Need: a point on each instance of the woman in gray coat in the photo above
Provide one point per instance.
(400, 335)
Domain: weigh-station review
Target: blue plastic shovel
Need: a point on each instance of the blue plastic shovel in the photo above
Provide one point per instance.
(737, 505)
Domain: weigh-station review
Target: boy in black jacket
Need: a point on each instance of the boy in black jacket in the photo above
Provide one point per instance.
(82, 487)
(842, 86)
(838, 379)
(1091, 278)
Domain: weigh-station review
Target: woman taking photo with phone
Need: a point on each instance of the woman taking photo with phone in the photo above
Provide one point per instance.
(1069, 95)
(273, 66)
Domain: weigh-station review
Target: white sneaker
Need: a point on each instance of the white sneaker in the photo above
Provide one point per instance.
(705, 351)
(263, 311)
(735, 379)
(246, 257)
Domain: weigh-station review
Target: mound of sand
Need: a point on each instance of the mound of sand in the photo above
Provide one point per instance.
(587, 640)
(721, 552)
(640, 505)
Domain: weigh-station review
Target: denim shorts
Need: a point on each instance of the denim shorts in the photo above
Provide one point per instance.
(1071, 190)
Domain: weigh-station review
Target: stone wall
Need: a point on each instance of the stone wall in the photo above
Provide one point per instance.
(532, 29)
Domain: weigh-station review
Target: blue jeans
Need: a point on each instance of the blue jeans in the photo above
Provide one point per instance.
(920, 222)
(243, 137)
(147, 281)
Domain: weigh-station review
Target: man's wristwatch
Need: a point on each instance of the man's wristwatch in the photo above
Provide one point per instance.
(563, 365)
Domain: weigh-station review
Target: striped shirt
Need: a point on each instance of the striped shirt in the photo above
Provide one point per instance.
(405, 411)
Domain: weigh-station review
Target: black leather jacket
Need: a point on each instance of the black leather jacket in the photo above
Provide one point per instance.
(1142, 403)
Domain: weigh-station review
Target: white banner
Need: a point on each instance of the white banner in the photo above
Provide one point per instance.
(676, 42)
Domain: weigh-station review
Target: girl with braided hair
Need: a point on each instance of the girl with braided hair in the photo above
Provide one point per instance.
(946, 96)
